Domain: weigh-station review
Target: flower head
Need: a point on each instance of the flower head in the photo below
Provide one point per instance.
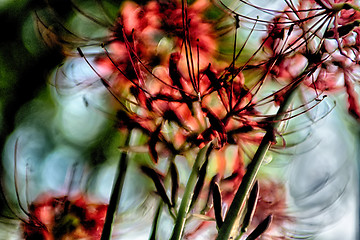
(165, 73)
(52, 217)
(316, 44)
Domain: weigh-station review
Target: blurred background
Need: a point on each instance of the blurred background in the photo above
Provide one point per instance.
(57, 132)
(48, 134)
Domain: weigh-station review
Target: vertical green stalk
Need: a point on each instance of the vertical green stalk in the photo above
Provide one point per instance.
(253, 168)
(186, 199)
(156, 221)
(115, 194)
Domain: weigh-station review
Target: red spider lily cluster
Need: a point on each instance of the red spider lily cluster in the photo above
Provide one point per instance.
(182, 88)
(322, 34)
(182, 98)
(168, 79)
(52, 217)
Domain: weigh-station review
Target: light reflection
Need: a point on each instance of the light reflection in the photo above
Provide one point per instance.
(78, 123)
(58, 166)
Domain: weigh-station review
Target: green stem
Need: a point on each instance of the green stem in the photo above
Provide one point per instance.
(186, 199)
(115, 194)
(252, 169)
(156, 221)
(239, 236)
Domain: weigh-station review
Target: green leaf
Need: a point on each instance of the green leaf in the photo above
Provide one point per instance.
(186, 199)
(260, 229)
(217, 205)
(200, 183)
(251, 206)
(155, 222)
(159, 185)
(211, 186)
(174, 182)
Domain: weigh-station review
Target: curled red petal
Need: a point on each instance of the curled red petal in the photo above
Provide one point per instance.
(353, 101)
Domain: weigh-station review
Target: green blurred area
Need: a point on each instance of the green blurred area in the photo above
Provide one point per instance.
(30, 50)
(55, 133)
(25, 64)
(25, 61)
(29, 55)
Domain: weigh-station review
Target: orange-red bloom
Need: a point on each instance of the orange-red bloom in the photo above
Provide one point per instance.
(51, 218)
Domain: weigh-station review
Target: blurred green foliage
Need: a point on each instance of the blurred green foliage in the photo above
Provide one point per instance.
(25, 61)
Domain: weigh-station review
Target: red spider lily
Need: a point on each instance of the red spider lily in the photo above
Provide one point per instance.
(304, 28)
(322, 34)
(53, 217)
(149, 32)
(353, 101)
(180, 89)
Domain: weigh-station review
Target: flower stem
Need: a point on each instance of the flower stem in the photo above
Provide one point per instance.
(186, 199)
(156, 221)
(115, 194)
(253, 168)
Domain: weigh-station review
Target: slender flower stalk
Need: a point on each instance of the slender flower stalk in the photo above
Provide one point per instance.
(116, 193)
(252, 169)
(156, 222)
(186, 199)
